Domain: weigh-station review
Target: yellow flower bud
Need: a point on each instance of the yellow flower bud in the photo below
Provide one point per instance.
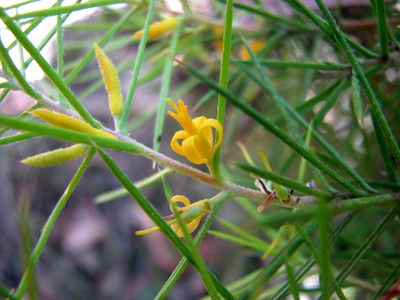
(159, 28)
(218, 33)
(111, 80)
(68, 122)
(255, 45)
(56, 157)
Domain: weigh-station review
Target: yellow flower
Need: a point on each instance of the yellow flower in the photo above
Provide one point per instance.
(255, 45)
(197, 141)
(218, 34)
(191, 215)
(159, 28)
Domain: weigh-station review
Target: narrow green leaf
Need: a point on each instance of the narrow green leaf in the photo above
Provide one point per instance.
(330, 101)
(236, 240)
(385, 153)
(16, 138)
(294, 289)
(324, 219)
(6, 293)
(243, 233)
(24, 219)
(289, 183)
(138, 63)
(356, 98)
(333, 89)
(19, 77)
(337, 207)
(380, 9)
(333, 153)
(311, 261)
(145, 182)
(60, 54)
(373, 256)
(47, 69)
(268, 87)
(276, 263)
(280, 133)
(166, 81)
(309, 105)
(375, 234)
(66, 9)
(320, 256)
(46, 39)
(391, 279)
(270, 16)
(286, 64)
(373, 101)
(224, 79)
(303, 9)
(69, 135)
(303, 163)
(110, 34)
(48, 227)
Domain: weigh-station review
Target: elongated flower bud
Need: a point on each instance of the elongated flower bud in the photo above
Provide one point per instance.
(56, 157)
(159, 28)
(68, 122)
(111, 81)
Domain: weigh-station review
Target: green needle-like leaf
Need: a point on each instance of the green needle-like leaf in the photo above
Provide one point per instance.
(164, 92)
(48, 227)
(47, 68)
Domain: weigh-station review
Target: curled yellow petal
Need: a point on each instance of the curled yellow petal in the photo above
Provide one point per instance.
(147, 231)
(191, 226)
(180, 199)
(68, 122)
(175, 145)
(212, 123)
(192, 215)
(111, 81)
(56, 157)
(191, 149)
(159, 28)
